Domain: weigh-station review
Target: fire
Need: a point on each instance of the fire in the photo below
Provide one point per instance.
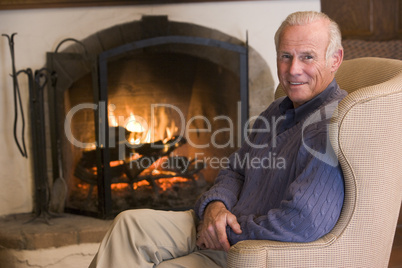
(162, 183)
(140, 184)
(133, 125)
(166, 180)
(167, 183)
(116, 163)
(138, 132)
(139, 128)
(119, 186)
(170, 131)
(83, 186)
(112, 119)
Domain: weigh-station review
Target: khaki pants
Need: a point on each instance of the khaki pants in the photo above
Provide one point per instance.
(150, 238)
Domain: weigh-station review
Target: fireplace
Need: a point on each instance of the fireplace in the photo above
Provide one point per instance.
(144, 114)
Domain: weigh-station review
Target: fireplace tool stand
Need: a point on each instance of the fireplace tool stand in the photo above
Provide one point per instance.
(37, 82)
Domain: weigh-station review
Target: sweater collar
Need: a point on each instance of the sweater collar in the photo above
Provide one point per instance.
(286, 106)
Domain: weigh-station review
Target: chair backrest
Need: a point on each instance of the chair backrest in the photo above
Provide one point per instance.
(368, 138)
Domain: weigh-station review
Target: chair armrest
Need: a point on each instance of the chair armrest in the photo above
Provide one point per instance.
(266, 253)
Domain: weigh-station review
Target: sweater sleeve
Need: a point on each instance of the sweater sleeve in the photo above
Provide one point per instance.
(229, 182)
(226, 188)
(312, 203)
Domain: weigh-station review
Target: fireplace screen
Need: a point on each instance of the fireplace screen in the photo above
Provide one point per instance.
(147, 124)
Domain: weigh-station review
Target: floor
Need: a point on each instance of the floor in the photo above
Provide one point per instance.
(396, 255)
(15, 233)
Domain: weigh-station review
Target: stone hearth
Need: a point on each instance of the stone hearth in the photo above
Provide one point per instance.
(67, 241)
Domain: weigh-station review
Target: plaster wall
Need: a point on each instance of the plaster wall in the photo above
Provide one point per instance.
(40, 30)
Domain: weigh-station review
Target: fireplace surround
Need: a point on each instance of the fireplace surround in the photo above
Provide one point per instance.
(194, 79)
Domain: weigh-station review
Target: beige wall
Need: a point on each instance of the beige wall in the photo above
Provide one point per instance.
(40, 30)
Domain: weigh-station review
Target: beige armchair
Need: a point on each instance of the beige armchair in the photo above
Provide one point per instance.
(369, 134)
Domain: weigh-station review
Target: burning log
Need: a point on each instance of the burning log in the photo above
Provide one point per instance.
(151, 152)
(183, 166)
(150, 171)
(128, 170)
(147, 176)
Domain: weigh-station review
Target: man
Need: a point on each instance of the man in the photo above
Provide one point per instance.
(298, 201)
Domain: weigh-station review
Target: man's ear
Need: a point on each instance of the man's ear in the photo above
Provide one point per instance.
(337, 59)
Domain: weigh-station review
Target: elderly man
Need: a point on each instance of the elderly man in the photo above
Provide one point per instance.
(299, 201)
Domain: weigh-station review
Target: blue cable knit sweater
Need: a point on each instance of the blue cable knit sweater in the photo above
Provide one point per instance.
(285, 182)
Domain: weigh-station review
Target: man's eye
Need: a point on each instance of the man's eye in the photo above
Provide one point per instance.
(308, 57)
(285, 56)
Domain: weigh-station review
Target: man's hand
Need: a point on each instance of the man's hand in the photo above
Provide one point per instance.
(211, 232)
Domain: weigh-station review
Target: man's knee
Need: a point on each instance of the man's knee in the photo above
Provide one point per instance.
(134, 215)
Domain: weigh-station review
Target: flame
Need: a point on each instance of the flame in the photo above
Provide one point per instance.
(167, 183)
(119, 186)
(170, 130)
(168, 136)
(83, 186)
(141, 133)
(139, 130)
(134, 139)
(133, 125)
(116, 163)
(140, 183)
(148, 137)
(153, 169)
(90, 146)
(112, 119)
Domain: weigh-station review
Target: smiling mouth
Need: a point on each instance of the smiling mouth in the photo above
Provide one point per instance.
(296, 83)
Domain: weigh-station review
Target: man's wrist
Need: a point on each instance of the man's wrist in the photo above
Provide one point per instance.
(216, 204)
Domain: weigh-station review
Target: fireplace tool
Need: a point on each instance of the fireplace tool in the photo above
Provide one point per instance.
(17, 101)
(37, 82)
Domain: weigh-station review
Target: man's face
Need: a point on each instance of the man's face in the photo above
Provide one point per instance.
(302, 68)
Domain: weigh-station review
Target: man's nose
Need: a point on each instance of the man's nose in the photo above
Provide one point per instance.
(295, 67)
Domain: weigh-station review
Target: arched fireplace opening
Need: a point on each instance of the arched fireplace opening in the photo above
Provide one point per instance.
(145, 114)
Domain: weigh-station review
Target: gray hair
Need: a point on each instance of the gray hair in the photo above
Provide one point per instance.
(306, 17)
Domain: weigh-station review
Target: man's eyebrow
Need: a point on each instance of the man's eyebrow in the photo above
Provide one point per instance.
(308, 52)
